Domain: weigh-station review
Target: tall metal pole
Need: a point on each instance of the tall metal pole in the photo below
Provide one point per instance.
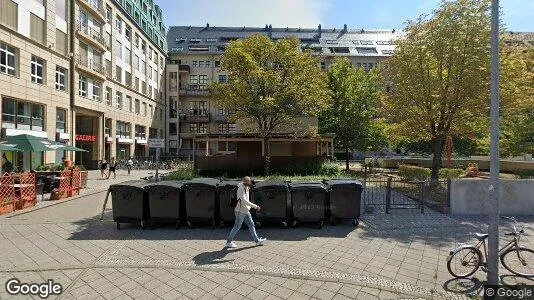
(493, 240)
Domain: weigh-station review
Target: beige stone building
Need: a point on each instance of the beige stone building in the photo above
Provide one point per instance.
(83, 72)
(196, 125)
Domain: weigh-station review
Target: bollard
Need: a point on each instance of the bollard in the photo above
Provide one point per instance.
(388, 195)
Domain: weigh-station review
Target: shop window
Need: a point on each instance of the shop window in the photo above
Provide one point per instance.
(22, 115)
(61, 120)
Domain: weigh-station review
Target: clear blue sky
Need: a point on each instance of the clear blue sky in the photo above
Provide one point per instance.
(371, 14)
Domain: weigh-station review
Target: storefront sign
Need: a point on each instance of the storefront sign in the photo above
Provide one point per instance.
(85, 138)
(156, 143)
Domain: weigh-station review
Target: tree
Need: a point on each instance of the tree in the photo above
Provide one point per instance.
(355, 102)
(272, 84)
(440, 77)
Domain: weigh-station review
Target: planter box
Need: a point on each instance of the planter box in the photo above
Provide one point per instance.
(7, 208)
(84, 175)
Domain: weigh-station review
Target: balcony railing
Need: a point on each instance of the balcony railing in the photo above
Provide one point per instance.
(91, 65)
(96, 6)
(194, 117)
(92, 34)
(191, 91)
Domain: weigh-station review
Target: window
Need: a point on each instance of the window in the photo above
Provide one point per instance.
(173, 81)
(119, 100)
(217, 64)
(128, 78)
(97, 86)
(172, 129)
(202, 128)
(37, 70)
(82, 86)
(193, 80)
(149, 73)
(137, 106)
(195, 64)
(144, 109)
(61, 78)
(37, 28)
(123, 130)
(109, 14)
(193, 128)
(142, 66)
(231, 128)
(118, 74)
(127, 56)
(61, 120)
(118, 24)
(107, 127)
(151, 109)
(22, 115)
(130, 104)
(61, 42)
(137, 43)
(202, 81)
(61, 9)
(366, 50)
(108, 95)
(9, 14)
(119, 50)
(7, 59)
(137, 84)
(128, 33)
(201, 64)
(208, 63)
(223, 78)
(140, 132)
(136, 62)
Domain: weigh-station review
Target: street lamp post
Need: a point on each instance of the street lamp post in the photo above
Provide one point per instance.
(493, 231)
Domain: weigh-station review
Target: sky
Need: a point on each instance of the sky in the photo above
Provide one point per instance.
(369, 14)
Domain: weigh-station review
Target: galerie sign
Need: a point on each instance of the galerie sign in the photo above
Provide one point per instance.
(85, 138)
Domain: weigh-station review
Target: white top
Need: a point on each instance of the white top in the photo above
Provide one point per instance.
(130, 162)
(243, 203)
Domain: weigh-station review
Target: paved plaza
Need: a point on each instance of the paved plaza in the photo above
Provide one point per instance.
(397, 256)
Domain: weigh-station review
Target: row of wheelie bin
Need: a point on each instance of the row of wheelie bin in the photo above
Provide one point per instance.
(205, 200)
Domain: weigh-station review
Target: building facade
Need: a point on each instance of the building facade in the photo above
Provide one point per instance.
(193, 118)
(84, 72)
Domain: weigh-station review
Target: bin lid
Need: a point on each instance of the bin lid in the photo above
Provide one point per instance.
(229, 183)
(175, 184)
(344, 182)
(271, 184)
(202, 181)
(307, 186)
(136, 184)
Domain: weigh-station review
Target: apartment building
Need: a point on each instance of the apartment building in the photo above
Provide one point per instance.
(194, 119)
(83, 72)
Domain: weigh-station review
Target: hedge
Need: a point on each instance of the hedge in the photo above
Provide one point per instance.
(414, 172)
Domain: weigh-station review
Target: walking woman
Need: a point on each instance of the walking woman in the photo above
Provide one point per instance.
(103, 168)
(112, 167)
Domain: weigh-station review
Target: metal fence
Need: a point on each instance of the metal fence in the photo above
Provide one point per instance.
(390, 194)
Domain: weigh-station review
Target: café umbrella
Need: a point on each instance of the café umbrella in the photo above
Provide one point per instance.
(30, 143)
(6, 147)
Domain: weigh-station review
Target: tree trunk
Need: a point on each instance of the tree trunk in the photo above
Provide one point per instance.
(347, 160)
(267, 155)
(437, 152)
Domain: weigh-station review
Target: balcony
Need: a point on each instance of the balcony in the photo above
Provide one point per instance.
(195, 118)
(220, 119)
(195, 92)
(91, 67)
(91, 36)
(184, 68)
(95, 8)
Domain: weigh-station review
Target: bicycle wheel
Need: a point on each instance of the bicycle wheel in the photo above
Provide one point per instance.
(464, 262)
(519, 261)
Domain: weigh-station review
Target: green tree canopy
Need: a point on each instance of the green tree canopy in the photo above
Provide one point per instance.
(272, 84)
(353, 114)
(440, 77)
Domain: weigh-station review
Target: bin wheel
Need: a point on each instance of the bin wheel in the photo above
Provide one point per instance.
(189, 224)
(284, 224)
(355, 222)
(221, 224)
(142, 225)
(213, 224)
(321, 224)
(295, 223)
(118, 225)
(177, 226)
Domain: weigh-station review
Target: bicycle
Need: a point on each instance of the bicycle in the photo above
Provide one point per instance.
(512, 256)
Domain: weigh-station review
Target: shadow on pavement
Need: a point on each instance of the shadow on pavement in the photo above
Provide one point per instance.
(95, 229)
(217, 257)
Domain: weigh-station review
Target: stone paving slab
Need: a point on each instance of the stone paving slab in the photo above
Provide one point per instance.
(403, 255)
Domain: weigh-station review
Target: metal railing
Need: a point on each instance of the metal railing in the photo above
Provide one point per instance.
(93, 34)
(96, 5)
(91, 64)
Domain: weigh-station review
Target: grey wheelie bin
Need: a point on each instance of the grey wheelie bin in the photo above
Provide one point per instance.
(164, 201)
(344, 197)
(130, 202)
(272, 197)
(226, 190)
(308, 202)
(200, 195)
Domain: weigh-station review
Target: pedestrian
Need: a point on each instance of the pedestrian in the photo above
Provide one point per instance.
(242, 213)
(129, 165)
(103, 168)
(112, 167)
